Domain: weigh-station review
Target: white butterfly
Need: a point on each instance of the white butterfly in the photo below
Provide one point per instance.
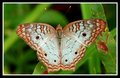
(61, 48)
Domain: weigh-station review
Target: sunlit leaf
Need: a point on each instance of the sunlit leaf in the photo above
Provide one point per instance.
(39, 69)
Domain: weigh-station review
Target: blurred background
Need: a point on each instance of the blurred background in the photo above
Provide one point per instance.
(19, 58)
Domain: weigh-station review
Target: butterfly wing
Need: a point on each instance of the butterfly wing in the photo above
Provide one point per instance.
(76, 36)
(42, 37)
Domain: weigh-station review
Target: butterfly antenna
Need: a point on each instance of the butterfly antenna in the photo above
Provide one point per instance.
(66, 13)
(68, 9)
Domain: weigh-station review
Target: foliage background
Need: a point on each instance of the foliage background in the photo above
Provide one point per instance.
(19, 58)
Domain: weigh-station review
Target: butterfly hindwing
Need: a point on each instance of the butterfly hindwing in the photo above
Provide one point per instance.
(71, 51)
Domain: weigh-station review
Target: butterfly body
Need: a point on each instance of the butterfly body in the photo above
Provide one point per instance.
(61, 48)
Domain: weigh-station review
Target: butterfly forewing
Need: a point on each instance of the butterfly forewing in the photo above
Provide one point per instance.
(85, 31)
(43, 38)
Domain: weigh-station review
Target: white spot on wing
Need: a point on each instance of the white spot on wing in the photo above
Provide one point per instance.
(74, 27)
(23, 33)
(31, 25)
(81, 23)
(23, 29)
(89, 22)
(38, 26)
(91, 25)
(38, 31)
(29, 30)
(81, 27)
(45, 28)
(97, 24)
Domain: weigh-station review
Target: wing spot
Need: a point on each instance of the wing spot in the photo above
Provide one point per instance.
(45, 54)
(76, 52)
(66, 60)
(84, 34)
(54, 60)
(37, 37)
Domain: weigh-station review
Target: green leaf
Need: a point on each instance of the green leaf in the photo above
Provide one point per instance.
(94, 63)
(39, 69)
(6, 70)
(109, 59)
(37, 12)
(110, 11)
(113, 32)
(16, 14)
(93, 11)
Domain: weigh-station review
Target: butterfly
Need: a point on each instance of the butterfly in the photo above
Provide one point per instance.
(61, 48)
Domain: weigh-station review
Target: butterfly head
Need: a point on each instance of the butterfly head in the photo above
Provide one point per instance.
(58, 27)
(59, 30)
